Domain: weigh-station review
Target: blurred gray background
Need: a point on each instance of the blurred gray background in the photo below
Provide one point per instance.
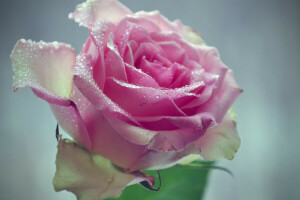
(259, 40)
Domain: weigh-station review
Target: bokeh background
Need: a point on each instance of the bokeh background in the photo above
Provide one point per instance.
(258, 39)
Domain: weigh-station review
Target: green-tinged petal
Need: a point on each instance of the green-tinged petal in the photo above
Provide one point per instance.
(188, 159)
(89, 176)
(232, 114)
(221, 141)
(45, 67)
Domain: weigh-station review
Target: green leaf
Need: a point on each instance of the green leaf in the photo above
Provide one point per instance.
(179, 182)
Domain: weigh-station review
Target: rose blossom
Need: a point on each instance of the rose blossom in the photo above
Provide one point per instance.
(144, 92)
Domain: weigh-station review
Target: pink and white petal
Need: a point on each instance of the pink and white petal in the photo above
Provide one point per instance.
(83, 79)
(87, 13)
(160, 160)
(189, 34)
(46, 68)
(221, 141)
(200, 121)
(141, 101)
(175, 140)
(68, 117)
(90, 48)
(191, 51)
(229, 91)
(133, 28)
(90, 176)
(172, 140)
(105, 138)
(163, 23)
(134, 134)
(187, 94)
(109, 143)
(219, 104)
(210, 86)
(197, 122)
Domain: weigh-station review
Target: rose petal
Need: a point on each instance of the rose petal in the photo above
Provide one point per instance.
(189, 34)
(114, 63)
(87, 13)
(147, 50)
(104, 135)
(176, 140)
(221, 141)
(141, 101)
(70, 120)
(138, 77)
(184, 95)
(134, 134)
(83, 79)
(133, 28)
(99, 36)
(109, 143)
(90, 176)
(46, 68)
(160, 160)
(198, 121)
(174, 52)
(191, 51)
(219, 104)
(164, 24)
(128, 55)
(168, 140)
(162, 75)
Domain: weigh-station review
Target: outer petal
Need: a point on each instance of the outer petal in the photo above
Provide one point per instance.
(164, 24)
(160, 160)
(107, 142)
(174, 36)
(46, 68)
(187, 33)
(200, 121)
(69, 119)
(89, 12)
(169, 140)
(134, 134)
(190, 34)
(176, 140)
(221, 141)
(227, 94)
(89, 176)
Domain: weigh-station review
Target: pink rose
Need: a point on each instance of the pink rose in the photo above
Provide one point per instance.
(144, 92)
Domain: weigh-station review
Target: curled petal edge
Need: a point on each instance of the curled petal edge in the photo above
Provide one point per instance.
(46, 68)
(87, 13)
(221, 141)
